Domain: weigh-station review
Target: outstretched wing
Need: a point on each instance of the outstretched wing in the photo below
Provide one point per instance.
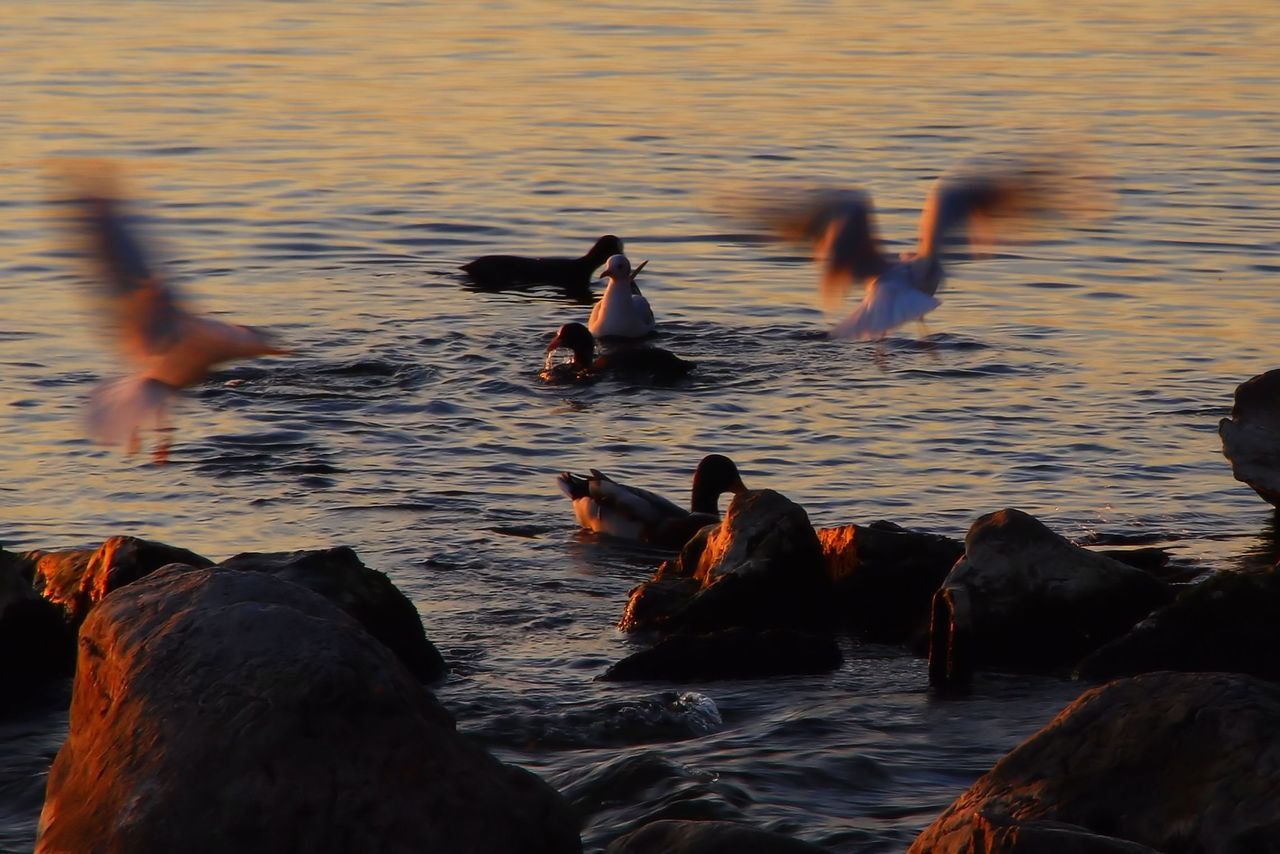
(146, 311)
(979, 202)
(840, 225)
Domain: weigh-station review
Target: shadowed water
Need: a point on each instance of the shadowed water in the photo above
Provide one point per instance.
(322, 169)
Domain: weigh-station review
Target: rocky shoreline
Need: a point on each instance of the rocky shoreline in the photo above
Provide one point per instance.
(283, 701)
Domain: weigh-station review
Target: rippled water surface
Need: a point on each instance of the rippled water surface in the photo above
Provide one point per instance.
(323, 168)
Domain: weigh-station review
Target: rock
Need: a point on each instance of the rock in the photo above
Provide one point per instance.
(885, 577)
(761, 567)
(35, 643)
(707, 837)
(77, 579)
(1251, 436)
(729, 654)
(232, 711)
(365, 594)
(1229, 622)
(1027, 599)
(1004, 835)
(1171, 761)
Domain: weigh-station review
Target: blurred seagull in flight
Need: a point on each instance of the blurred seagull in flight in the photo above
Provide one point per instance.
(172, 347)
(840, 225)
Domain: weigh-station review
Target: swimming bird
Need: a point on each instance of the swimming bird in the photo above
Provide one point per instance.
(605, 506)
(622, 312)
(653, 361)
(172, 347)
(841, 227)
(573, 274)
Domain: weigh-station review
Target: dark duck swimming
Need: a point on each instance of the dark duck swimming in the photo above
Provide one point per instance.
(605, 506)
(653, 362)
(499, 272)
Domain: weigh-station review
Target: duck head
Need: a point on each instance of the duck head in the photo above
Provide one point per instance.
(617, 268)
(605, 247)
(716, 474)
(575, 337)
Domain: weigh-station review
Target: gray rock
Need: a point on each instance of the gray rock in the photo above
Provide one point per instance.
(1170, 761)
(35, 641)
(1251, 436)
(707, 837)
(1026, 598)
(365, 594)
(1229, 622)
(223, 711)
(729, 654)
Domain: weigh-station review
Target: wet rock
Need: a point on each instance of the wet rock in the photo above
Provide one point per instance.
(885, 576)
(77, 579)
(365, 594)
(233, 711)
(35, 642)
(1229, 622)
(1026, 598)
(1004, 835)
(1251, 436)
(762, 567)
(707, 837)
(729, 654)
(1170, 761)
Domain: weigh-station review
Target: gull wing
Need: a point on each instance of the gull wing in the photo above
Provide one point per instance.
(979, 202)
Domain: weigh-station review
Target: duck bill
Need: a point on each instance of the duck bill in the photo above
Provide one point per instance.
(738, 487)
(555, 344)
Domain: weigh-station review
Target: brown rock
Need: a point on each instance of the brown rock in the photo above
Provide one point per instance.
(761, 567)
(885, 577)
(1251, 436)
(35, 643)
(223, 711)
(77, 579)
(1171, 761)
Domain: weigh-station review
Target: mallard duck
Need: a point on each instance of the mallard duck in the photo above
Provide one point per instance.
(605, 506)
(841, 227)
(622, 312)
(502, 271)
(650, 361)
(173, 347)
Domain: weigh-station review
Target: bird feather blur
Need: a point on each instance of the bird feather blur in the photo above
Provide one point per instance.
(985, 203)
(169, 346)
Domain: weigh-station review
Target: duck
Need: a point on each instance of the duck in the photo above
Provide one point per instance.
(623, 312)
(171, 346)
(573, 274)
(651, 361)
(840, 226)
(605, 506)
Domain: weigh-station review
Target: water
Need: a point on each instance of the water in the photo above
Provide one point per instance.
(322, 168)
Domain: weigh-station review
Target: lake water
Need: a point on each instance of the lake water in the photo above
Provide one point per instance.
(322, 169)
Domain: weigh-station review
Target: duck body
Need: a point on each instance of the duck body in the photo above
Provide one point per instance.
(623, 312)
(505, 271)
(652, 362)
(604, 506)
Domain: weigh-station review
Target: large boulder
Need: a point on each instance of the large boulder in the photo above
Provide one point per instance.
(233, 711)
(1026, 598)
(707, 837)
(729, 654)
(1229, 622)
(1170, 761)
(884, 577)
(35, 643)
(1251, 436)
(365, 594)
(762, 567)
(77, 579)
